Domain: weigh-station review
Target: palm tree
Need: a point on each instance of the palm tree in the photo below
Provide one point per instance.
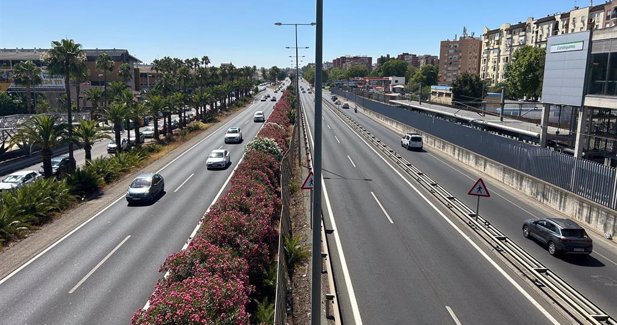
(155, 105)
(126, 98)
(27, 74)
(137, 112)
(116, 89)
(95, 96)
(81, 74)
(105, 64)
(87, 134)
(64, 58)
(125, 72)
(44, 131)
(116, 113)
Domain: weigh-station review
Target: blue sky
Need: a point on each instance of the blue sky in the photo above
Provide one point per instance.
(242, 32)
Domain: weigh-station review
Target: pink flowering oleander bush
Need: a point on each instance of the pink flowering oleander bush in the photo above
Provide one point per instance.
(276, 133)
(197, 300)
(250, 198)
(257, 160)
(202, 257)
(251, 237)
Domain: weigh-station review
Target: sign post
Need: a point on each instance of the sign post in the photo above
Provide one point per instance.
(479, 189)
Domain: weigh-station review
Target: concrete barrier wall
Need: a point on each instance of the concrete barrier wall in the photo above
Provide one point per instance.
(601, 219)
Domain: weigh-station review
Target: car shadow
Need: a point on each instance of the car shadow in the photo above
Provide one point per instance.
(582, 260)
(148, 203)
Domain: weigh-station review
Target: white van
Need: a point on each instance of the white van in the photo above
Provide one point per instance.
(412, 141)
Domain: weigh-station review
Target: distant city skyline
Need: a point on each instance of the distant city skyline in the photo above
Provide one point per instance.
(243, 32)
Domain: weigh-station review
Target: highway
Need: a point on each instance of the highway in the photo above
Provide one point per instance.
(407, 260)
(594, 276)
(106, 269)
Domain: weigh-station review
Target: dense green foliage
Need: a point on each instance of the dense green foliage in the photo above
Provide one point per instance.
(525, 73)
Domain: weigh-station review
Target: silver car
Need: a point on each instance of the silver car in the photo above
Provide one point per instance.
(145, 188)
(233, 135)
(148, 132)
(18, 179)
(259, 117)
(218, 158)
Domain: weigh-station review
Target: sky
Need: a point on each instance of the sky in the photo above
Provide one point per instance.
(242, 32)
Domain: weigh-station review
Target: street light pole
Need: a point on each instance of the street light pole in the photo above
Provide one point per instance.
(316, 217)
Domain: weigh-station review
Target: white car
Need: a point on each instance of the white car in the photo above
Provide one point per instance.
(412, 141)
(218, 158)
(233, 135)
(345, 105)
(18, 179)
(259, 117)
(148, 132)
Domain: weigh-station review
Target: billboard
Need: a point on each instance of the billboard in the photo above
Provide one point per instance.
(49, 83)
(565, 68)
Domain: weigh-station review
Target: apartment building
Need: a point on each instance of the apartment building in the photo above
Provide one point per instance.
(428, 59)
(418, 60)
(499, 45)
(345, 62)
(457, 57)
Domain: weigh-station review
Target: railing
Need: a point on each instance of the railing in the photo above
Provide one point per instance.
(572, 301)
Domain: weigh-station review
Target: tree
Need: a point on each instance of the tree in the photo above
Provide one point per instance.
(81, 74)
(155, 105)
(125, 72)
(337, 74)
(525, 72)
(393, 68)
(94, 96)
(116, 113)
(27, 74)
(273, 73)
(87, 134)
(467, 89)
(357, 70)
(44, 131)
(64, 58)
(427, 75)
(105, 64)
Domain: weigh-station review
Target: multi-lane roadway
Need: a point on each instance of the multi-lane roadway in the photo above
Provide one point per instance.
(408, 261)
(107, 268)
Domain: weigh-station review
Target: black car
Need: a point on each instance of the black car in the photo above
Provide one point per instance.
(145, 188)
(559, 235)
(59, 165)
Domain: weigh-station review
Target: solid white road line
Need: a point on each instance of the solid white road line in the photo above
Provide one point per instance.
(382, 208)
(339, 246)
(186, 180)
(337, 140)
(453, 315)
(98, 265)
(354, 165)
(467, 238)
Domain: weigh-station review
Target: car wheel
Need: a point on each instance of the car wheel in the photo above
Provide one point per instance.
(552, 249)
(525, 231)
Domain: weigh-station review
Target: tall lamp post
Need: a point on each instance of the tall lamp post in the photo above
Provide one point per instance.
(297, 80)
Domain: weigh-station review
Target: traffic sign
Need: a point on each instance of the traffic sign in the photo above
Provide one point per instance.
(479, 189)
(308, 182)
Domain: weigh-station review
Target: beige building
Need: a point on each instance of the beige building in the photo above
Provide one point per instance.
(498, 45)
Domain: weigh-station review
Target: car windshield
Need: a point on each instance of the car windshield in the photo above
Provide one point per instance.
(12, 179)
(576, 233)
(416, 139)
(149, 128)
(56, 162)
(217, 154)
(233, 131)
(141, 183)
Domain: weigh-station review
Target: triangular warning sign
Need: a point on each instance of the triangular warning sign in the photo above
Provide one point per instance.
(479, 189)
(308, 182)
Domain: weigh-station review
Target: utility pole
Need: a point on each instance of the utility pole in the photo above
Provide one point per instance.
(316, 217)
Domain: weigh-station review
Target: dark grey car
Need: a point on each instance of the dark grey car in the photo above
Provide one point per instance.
(559, 235)
(145, 188)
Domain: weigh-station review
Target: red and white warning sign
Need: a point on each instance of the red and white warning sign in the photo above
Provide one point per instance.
(479, 189)
(308, 182)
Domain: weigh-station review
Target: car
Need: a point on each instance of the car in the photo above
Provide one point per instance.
(334, 98)
(273, 99)
(412, 141)
(267, 95)
(233, 134)
(338, 102)
(145, 188)
(142, 138)
(561, 236)
(112, 147)
(18, 179)
(259, 117)
(345, 105)
(263, 99)
(218, 158)
(59, 165)
(148, 132)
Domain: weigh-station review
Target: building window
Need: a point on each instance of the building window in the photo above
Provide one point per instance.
(599, 66)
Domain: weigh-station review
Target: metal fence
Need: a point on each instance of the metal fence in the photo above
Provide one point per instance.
(588, 179)
(282, 276)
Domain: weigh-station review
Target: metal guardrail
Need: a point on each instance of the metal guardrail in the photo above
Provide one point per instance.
(572, 301)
